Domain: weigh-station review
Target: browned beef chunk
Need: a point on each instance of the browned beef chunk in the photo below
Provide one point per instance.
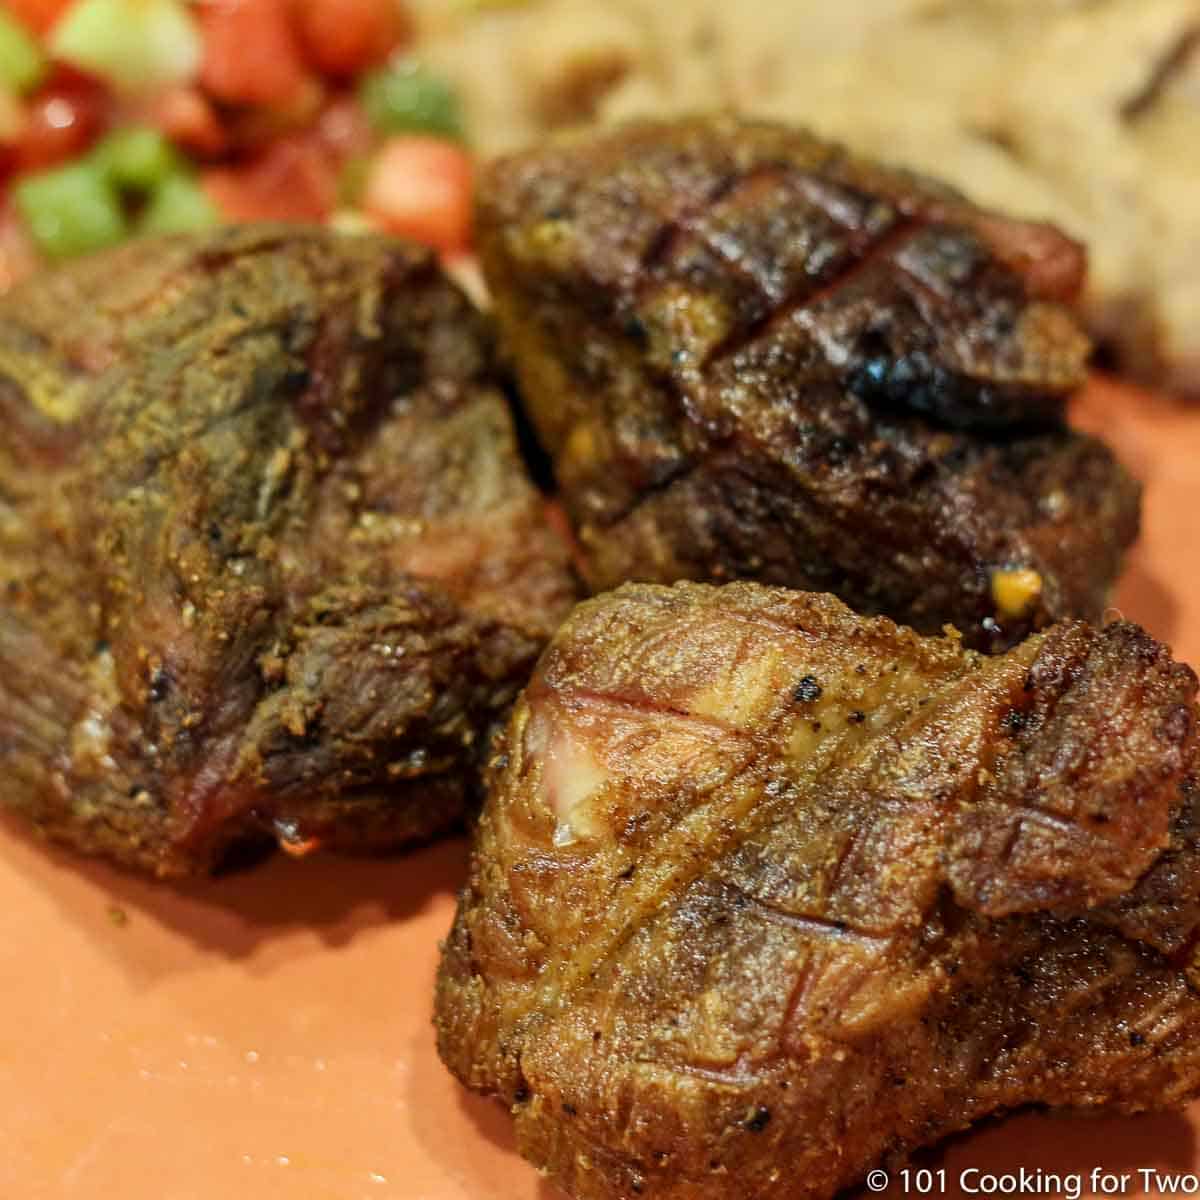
(751, 355)
(765, 893)
(271, 564)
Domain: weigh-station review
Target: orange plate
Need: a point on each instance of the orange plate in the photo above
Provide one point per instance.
(268, 1035)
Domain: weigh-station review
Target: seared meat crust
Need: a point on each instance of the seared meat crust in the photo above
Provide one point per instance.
(751, 355)
(272, 563)
(765, 893)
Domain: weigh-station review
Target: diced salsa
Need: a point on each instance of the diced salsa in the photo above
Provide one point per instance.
(124, 117)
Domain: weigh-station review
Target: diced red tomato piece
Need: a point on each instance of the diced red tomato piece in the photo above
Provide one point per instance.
(251, 52)
(187, 117)
(343, 37)
(39, 15)
(291, 180)
(420, 187)
(63, 117)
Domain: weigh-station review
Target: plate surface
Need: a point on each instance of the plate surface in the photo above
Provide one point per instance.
(268, 1035)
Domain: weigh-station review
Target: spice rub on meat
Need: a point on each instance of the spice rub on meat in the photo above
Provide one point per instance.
(272, 566)
(765, 893)
(754, 356)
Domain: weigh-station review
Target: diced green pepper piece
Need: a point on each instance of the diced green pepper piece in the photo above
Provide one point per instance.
(71, 210)
(136, 158)
(178, 205)
(410, 99)
(133, 44)
(22, 63)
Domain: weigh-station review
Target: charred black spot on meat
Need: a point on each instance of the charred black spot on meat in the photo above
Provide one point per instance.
(297, 380)
(758, 1120)
(635, 330)
(1014, 720)
(915, 381)
(160, 685)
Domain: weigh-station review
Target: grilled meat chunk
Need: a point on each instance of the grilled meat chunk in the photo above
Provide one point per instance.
(766, 893)
(751, 355)
(272, 564)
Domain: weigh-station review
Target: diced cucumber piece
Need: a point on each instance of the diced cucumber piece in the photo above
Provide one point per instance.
(71, 210)
(178, 205)
(22, 63)
(134, 44)
(408, 98)
(136, 158)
